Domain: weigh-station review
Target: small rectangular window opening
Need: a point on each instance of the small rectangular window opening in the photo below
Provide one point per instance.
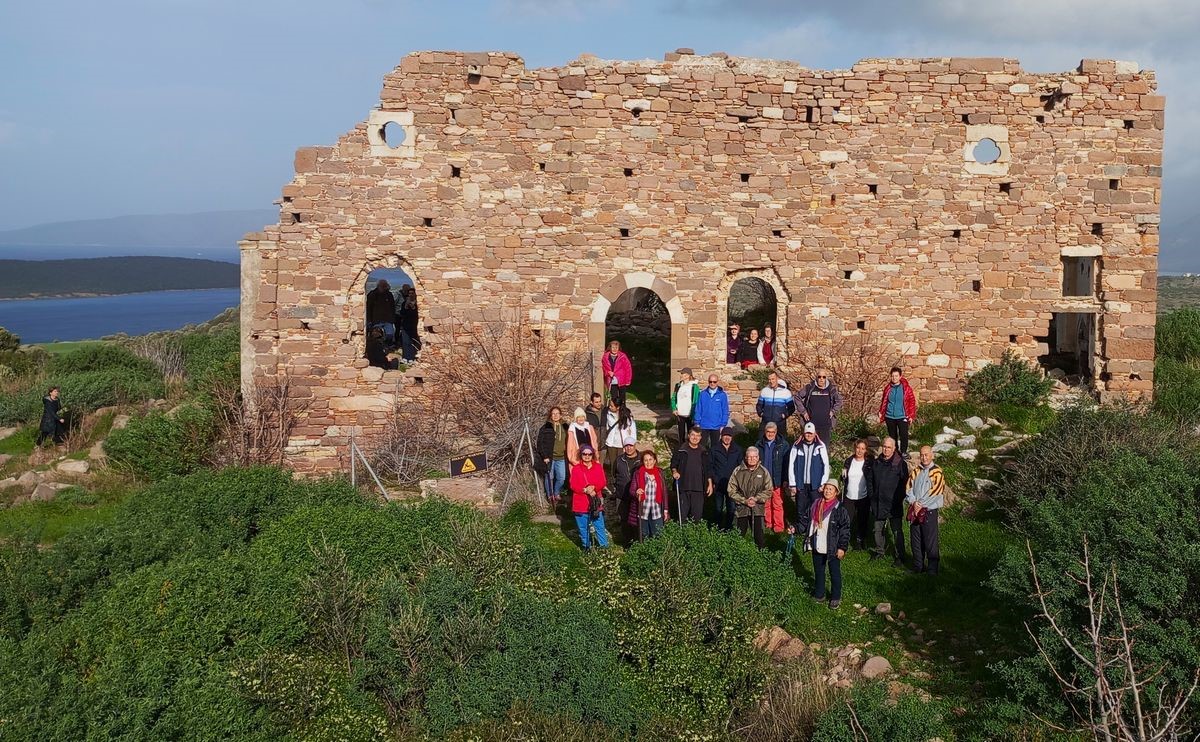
(957, 234)
(873, 189)
(743, 119)
(1012, 338)
(428, 221)
(1079, 276)
(628, 172)
(287, 199)
(418, 380)
(832, 199)
(455, 171)
(1135, 377)
(1114, 184)
(542, 166)
(1006, 187)
(966, 118)
(637, 112)
(846, 274)
(776, 232)
(1128, 124)
(861, 324)
(977, 286)
(745, 177)
(295, 217)
(473, 78)
(624, 231)
(1098, 229)
(537, 332)
(1040, 119)
(810, 114)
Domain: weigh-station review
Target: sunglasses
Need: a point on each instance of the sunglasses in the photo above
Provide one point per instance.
(822, 377)
(587, 453)
(712, 381)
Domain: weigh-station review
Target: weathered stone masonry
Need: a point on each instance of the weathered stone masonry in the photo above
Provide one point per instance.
(854, 193)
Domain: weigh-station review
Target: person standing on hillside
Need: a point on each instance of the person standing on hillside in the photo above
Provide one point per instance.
(925, 491)
(692, 471)
(898, 408)
(381, 311)
(820, 403)
(618, 372)
(774, 449)
(623, 471)
(856, 482)
(650, 496)
(618, 425)
(712, 411)
(53, 424)
(750, 488)
(683, 401)
(808, 469)
(408, 320)
(775, 403)
(828, 538)
(889, 477)
(725, 458)
(552, 451)
(596, 417)
(580, 434)
(587, 498)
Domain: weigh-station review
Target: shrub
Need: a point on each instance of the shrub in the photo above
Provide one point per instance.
(159, 445)
(1177, 390)
(100, 357)
(1177, 335)
(81, 393)
(871, 714)
(1012, 381)
(8, 341)
(212, 359)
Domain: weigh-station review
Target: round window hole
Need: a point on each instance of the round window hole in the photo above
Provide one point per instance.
(393, 134)
(986, 152)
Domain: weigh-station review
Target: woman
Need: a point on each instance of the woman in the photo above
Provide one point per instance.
(377, 351)
(587, 498)
(408, 320)
(733, 343)
(766, 349)
(828, 538)
(858, 485)
(651, 490)
(53, 423)
(683, 401)
(552, 451)
(618, 426)
(618, 372)
(748, 352)
(579, 434)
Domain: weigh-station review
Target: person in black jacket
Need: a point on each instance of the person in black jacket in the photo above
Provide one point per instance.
(692, 470)
(774, 449)
(828, 538)
(597, 415)
(377, 352)
(381, 310)
(552, 454)
(407, 321)
(856, 484)
(725, 458)
(889, 476)
(623, 469)
(53, 423)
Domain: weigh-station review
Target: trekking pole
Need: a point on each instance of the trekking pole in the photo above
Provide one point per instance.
(678, 503)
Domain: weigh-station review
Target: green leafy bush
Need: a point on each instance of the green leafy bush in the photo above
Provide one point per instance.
(80, 393)
(871, 714)
(1177, 335)
(212, 358)
(8, 341)
(159, 445)
(1012, 381)
(100, 357)
(1177, 368)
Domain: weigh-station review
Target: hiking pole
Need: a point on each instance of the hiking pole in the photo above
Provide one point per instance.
(678, 503)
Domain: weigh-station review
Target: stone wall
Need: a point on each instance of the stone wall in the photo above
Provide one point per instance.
(856, 194)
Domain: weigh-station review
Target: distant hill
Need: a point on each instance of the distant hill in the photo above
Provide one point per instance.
(21, 279)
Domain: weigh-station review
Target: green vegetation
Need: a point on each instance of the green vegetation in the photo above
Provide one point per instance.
(67, 346)
(21, 279)
(1177, 292)
(1013, 381)
(1177, 367)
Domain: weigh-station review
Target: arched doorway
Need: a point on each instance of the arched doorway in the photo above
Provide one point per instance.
(640, 322)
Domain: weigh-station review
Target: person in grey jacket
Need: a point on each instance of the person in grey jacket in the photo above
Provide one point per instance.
(819, 404)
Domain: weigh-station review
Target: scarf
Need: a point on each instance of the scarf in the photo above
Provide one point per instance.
(821, 508)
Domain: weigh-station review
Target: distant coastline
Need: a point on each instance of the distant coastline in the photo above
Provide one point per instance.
(112, 276)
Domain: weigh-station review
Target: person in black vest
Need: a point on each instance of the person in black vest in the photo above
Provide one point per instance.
(692, 470)
(53, 423)
(725, 458)
(624, 469)
(889, 477)
(856, 484)
(407, 323)
(381, 311)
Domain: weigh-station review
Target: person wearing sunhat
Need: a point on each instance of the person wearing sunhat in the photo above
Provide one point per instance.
(808, 469)
(828, 537)
(580, 433)
(587, 497)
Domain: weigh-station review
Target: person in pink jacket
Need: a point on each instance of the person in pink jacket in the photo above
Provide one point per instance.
(587, 498)
(618, 372)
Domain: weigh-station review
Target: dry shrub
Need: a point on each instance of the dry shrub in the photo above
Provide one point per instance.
(792, 704)
(164, 350)
(418, 442)
(858, 362)
(256, 431)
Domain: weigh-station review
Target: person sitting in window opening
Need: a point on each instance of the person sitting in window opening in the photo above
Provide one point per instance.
(618, 372)
(733, 344)
(53, 420)
(580, 434)
(748, 351)
(552, 451)
(618, 425)
(377, 350)
(587, 499)
(408, 320)
(381, 311)
(766, 349)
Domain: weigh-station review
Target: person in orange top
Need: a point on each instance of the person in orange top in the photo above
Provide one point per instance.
(587, 497)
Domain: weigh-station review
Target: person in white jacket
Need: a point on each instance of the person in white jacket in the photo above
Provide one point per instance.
(808, 469)
(618, 426)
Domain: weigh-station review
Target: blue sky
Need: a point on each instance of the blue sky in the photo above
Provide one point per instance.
(161, 106)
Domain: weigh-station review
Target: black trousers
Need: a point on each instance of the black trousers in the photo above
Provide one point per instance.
(897, 525)
(806, 495)
(924, 540)
(692, 504)
(746, 522)
(898, 429)
(860, 521)
(712, 438)
(617, 392)
(685, 424)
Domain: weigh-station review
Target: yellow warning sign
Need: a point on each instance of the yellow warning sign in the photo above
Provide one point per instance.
(472, 464)
(467, 467)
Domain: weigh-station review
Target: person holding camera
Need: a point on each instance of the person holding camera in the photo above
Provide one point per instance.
(587, 498)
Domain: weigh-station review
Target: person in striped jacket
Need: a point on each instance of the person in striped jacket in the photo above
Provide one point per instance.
(925, 495)
(775, 403)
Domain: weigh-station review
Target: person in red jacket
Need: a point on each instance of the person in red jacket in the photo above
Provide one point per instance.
(898, 408)
(587, 498)
(651, 501)
(618, 372)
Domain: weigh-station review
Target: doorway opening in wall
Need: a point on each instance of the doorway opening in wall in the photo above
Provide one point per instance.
(392, 319)
(1079, 276)
(1070, 348)
(640, 322)
(754, 308)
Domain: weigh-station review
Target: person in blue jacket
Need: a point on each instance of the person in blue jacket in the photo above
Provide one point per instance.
(712, 411)
(808, 470)
(775, 403)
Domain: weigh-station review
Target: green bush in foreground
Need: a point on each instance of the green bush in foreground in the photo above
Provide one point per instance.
(870, 714)
(158, 445)
(1012, 381)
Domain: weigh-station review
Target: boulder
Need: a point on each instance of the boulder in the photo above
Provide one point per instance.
(6, 483)
(1005, 448)
(896, 689)
(770, 639)
(942, 447)
(951, 431)
(6, 432)
(120, 422)
(29, 480)
(883, 609)
(5, 458)
(96, 452)
(992, 422)
(969, 454)
(984, 485)
(966, 441)
(71, 466)
(789, 650)
(943, 438)
(975, 423)
(47, 491)
(875, 667)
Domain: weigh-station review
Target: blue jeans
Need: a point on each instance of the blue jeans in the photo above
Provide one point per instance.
(389, 331)
(407, 347)
(582, 521)
(835, 575)
(556, 477)
(651, 528)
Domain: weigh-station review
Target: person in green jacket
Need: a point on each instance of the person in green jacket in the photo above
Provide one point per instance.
(683, 401)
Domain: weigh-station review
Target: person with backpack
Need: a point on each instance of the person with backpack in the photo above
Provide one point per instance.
(618, 372)
(683, 401)
(650, 493)
(552, 453)
(587, 498)
(819, 404)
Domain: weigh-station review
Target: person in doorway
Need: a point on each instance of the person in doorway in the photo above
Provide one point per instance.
(898, 408)
(733, 343)
(820, 403)
(650, 493)
(381, 311)
(726, 457)
(766, 349)
(618, 425)
(828, 539)
(889, 477)
(925, 491)
(407, 322)
(856, 482)
(774, 449)
(580, 433)
(750, 488)
(377, 354)
(587, 498)
(552, 452)
(748, 350)
(618, 372)
(683, 401)
(623, 471)
(54, 424)
(775, 403)
(808, 469)
(692, 471)
(712, 411)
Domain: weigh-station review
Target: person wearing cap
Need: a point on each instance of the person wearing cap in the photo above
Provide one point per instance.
(775, 403)
(618, 425)
(712, 411)
(925, 497)
(828, 538)
(683, 401)
(774, 449)
(692, 471)
(726, 457)
(819, 404)
(808, 469)
(580, 433)
(618, 372)
(750, 487)
(623, 470)
(650, 495)
(552, 452)
(587, 497)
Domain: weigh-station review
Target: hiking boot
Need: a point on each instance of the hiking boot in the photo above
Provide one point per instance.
(898, 563)
(875, 557)
(833, 604)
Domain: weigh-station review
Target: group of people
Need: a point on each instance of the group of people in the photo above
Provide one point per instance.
(392, 323)
(750, 347)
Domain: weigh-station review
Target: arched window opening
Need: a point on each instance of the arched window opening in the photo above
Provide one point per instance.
(641, 323)
(753, 318)
(392, 318)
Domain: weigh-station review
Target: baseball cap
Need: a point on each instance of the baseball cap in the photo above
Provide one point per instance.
(810, 428)
(726, 430)
(686, 370)
(629, 441)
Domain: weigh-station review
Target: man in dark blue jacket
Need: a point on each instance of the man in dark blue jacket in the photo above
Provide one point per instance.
(775, 403)
(725, 458)
(808, 470)
(774, 449)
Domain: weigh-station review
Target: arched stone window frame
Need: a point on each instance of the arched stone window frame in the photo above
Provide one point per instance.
(355, 314)
(782, 300)
(612, 290)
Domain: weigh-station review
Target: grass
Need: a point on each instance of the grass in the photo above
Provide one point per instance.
(68, 346)
(20, 443)
(71, 510)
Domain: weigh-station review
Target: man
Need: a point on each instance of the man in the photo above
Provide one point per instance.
(53, 423)
(692, 471)
(808, 470)
(750, 488)
(624, 468)
(618, 372)
(712, 411)
(381, 311)
(889, 478)
(596, 416)
(683, 401)
(926, 487)
(819, 404)
(775, 403)
(898, 408)
(725, 458)
(774, 450)
(733, 344)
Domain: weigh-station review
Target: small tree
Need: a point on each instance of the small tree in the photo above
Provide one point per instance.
(1012, 381)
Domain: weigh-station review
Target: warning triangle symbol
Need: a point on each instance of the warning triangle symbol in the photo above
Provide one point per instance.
(468, 466)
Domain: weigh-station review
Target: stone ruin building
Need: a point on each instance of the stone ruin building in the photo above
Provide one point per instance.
(953, 208)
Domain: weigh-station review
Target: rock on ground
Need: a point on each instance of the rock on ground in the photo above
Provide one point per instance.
(943, 438)
(6, 432)
(951, 431)
(875, 667)
(5, 458)
(120, 422)
(791, 649)
(966, 441)
(969, 454)
(770, 639)
(975, 423)
(29, 480)
(883, 609)
(71, 466)
(47, 491)
(942, 447)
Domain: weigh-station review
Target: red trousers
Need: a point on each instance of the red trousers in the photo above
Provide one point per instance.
(773, 512)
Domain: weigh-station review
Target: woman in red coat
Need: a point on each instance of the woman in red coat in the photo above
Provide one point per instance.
(898, 408)
(587, 498)
(651, 491)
